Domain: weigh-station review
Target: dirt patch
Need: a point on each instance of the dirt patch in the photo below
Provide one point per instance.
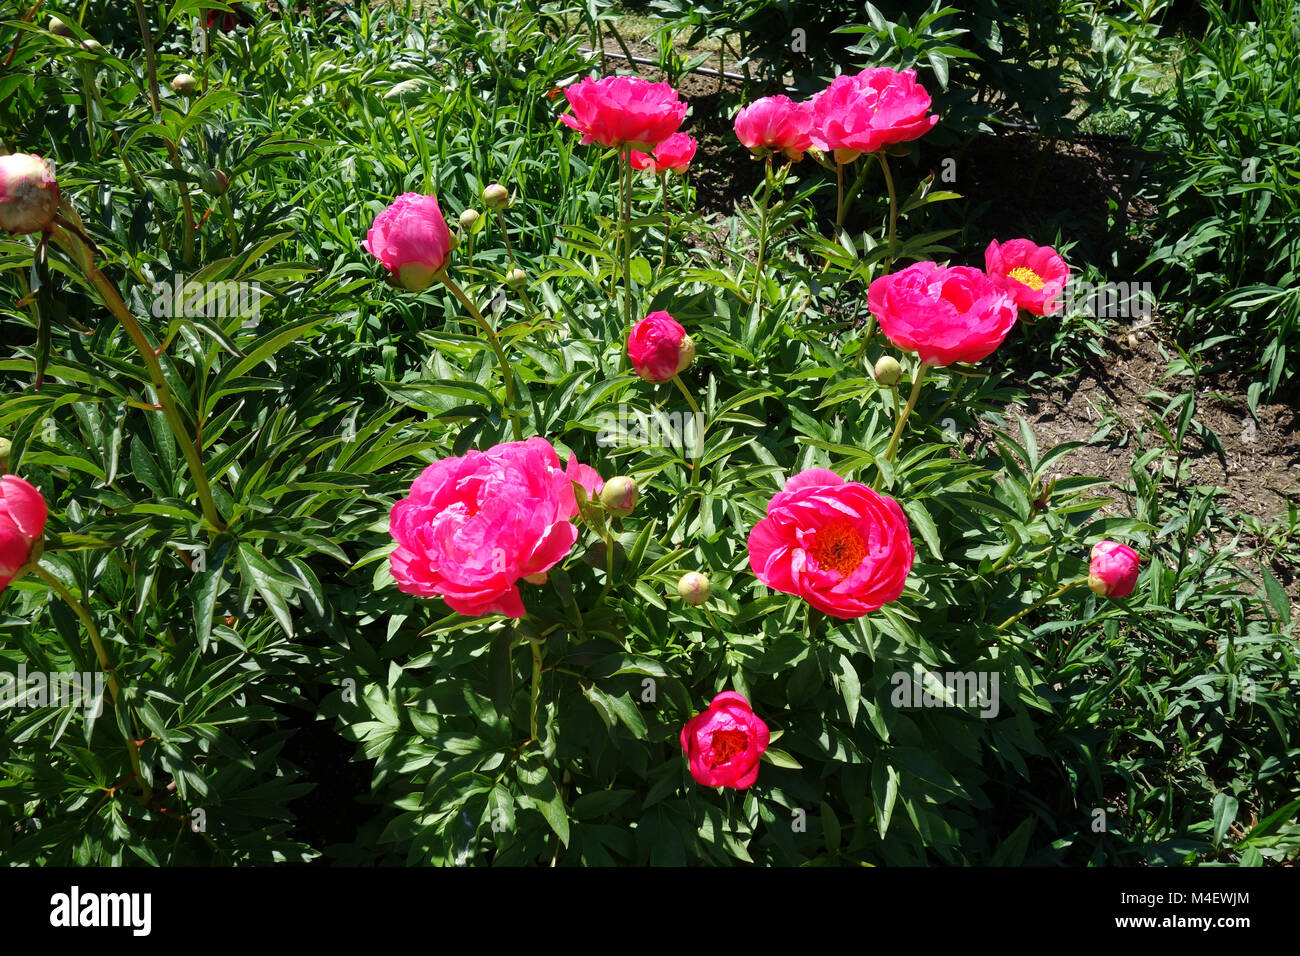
(1015, 185)
(1258, 468)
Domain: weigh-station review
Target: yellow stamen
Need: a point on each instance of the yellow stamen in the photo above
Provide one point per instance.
(1028, 276)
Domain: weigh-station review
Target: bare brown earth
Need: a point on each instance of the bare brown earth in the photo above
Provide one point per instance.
(1258, 472)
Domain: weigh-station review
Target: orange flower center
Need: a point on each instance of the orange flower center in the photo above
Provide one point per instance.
(726, 744)
(839, 547)
(1028, 276)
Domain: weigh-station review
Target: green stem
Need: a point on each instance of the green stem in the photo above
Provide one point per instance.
(893, 207)
(228, 211)
(858, 180)
(1040, 602)
(911, 404)
(495, 343)
(676, 521)
(105, 663)
(536, 693)
(625, 173)
(814, 618)
(699, 428)
(839, 195)
(663, 260)
(501, 220)
(87, 88)
(150, 60)
(762, 227)
(166, 400)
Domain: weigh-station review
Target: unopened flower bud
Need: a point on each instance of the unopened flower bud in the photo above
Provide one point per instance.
(215, 182)
(619, 495)
(685, 354)
(516, 279)
(888, 372)
(1113, 569)
(91, 45)
(59, 28)
(693, 588)
(185, 84)
(5, 448)
(471, 221)
(496, 196)
(29, 195)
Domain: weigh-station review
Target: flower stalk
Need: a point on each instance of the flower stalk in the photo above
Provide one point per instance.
(105, 662)
(907, 412)
(1040, 602)
(502, 362)
(77, 245)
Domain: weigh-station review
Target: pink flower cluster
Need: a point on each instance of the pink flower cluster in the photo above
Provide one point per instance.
(855, 115)
(948, 314)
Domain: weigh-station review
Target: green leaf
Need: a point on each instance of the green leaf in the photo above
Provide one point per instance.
(540, 789)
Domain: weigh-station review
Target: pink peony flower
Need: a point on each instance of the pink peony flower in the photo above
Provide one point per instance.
(623, 111)
(1114, 569)
(945, 314)
(837, 544)
(1032, 275)
(724, 744)
(775, 124)
(473, 526)
(22, 524)
(867, 112)
(411, 239)
(659, 347)
(675, 153)
(29, 195)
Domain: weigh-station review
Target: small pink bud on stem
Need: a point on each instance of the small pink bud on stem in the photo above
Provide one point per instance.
(619, 496)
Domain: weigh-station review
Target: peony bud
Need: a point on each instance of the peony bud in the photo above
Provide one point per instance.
(59, 28)
(659, 348)
(22, 527)
(471, 221)
(693, 588)
(91, 45)
(1113, 571)
(496, 196)
(185, 84)
(411, 239)
(29, 196)
(215, 182)
(888, 372)
(685, 354)
(619, 495)
(516, 279)
(6, 446)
